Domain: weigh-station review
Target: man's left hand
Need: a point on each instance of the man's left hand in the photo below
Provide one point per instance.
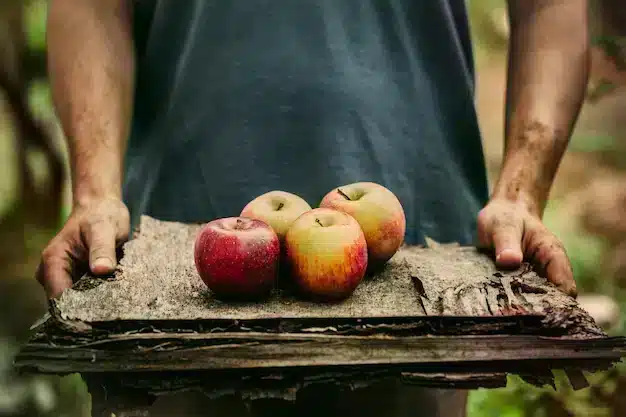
(517, 234)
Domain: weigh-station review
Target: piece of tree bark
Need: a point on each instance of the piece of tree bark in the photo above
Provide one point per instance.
(157, 282)
(442, 316)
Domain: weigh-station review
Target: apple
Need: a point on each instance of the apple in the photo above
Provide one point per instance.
(326, 253)
(379, 213)
(279, 209)
(237, 257)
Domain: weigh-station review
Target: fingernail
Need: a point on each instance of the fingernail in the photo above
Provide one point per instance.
(504, 252)
(508, 258)
(101, 264)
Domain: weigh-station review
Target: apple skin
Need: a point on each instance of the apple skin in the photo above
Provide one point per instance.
(326, 253)
(237, 258)
(379, 213)
(279, 209)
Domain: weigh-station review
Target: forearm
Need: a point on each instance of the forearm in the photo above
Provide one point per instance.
(547, 78)
(91, 67)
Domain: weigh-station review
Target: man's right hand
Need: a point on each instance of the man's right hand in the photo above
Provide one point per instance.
(88, 239)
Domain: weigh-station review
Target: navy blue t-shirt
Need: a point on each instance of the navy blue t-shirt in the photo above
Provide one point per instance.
(236, 98)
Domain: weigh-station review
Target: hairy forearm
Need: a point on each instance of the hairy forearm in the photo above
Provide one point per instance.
(547, 78)
(91, 67)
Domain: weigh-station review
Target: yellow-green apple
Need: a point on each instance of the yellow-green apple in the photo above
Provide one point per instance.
(379, 213)
(237, 257)
(326, 253)
(278, 209)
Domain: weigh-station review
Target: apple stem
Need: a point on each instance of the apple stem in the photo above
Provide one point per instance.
(280, 205)
(319, 222)
(344, 195)
(239, 224)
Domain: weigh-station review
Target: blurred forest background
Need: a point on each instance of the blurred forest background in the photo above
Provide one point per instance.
(587, 208)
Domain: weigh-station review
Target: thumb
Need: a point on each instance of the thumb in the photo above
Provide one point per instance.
(507, 240)
(100, 239)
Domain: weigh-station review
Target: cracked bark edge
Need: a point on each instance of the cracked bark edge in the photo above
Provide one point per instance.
(441, 280)
(283, 383)
(232, 351)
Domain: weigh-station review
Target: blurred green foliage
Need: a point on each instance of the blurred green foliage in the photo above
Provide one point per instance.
(68, 397)
(35, 19)
(520, 399)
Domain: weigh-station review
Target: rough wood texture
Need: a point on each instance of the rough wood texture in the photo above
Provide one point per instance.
(439, 316)
(228, 351)
(157, 280)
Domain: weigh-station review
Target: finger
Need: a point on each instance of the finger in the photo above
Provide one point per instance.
(100, 239)
(559, 272)
(507, 240)
(53, 272)
(551, 260)
(484, 227)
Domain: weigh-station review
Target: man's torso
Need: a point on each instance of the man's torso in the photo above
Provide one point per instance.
(236, 98)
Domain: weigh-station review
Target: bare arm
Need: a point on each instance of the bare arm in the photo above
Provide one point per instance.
(91, 64)
(547, 78)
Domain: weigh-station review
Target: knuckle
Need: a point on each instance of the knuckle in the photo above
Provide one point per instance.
(97, 229)
(538, 248)
(544, 248)
(507, 226)
(115, 218)
(101, 247)
(96, 221)
(47, 254)
(483, 213)
(122, 211)
(100, 252)
(98, 248)
(496, 222)
(50, 253)
(102, 244)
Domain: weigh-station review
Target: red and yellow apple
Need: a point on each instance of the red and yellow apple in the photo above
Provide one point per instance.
(279, 209)
(237, 257)
(326, 253)
(379, 213)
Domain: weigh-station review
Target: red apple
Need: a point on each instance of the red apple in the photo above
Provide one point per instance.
(326, 253)
(379, 214)
(237, 258)
(279, 209)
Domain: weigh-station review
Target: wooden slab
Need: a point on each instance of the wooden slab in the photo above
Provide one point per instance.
(437, 316)
(157, 281)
